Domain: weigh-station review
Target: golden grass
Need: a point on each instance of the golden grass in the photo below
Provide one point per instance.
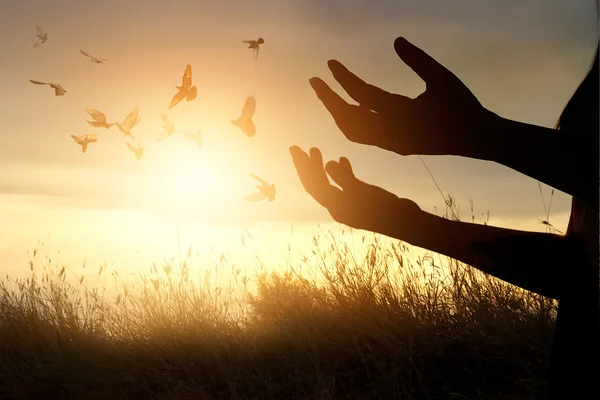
(346, 323)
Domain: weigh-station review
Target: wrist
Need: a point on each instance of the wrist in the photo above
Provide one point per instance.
(492, 133)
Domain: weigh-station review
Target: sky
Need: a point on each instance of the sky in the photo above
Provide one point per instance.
(522, 59)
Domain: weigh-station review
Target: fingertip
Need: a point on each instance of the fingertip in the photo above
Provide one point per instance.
(345, 164)
(400, 43)
(294, 149)
(331, 166)
(316, 83)
(334, 64)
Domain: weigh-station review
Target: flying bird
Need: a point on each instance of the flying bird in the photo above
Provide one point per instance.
(168, 126)
(58, 90)
(254, 44)
(196, 137)
(130, 121)
(137, 150)
(186, 90)
(244, 122)
(94, 59)
(41, 37)
(99, 119)
(84, 140)
(265, 191)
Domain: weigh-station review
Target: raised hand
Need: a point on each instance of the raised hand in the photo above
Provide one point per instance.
(357, 204)
(364, 206)
(447, 119)
(442, 120)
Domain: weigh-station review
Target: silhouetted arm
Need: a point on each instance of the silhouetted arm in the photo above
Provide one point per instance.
(567, 161)
(533, 261)
(447, 119)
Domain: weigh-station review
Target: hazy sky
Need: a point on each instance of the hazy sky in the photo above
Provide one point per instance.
(522, 59)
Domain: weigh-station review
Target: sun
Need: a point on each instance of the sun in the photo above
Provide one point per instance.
(190, 182)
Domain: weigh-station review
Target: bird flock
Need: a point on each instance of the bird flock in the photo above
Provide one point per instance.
(186, 91)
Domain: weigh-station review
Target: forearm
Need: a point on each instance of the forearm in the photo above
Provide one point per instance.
(530, 260)
(566, 161)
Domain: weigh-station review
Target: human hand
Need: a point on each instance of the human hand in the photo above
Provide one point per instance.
(357, 204)
(445, 119)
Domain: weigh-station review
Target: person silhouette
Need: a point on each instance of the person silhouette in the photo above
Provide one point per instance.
(447, 119)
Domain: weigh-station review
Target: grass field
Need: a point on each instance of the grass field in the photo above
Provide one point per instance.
(371, 322)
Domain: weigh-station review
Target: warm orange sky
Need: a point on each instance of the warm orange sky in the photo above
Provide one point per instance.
(523, 61)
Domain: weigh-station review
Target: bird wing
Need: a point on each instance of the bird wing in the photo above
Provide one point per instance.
(39, 29)
(165, 118)
(38, 82)
(177, 98)
(256, 52)
(248, 41)
(132, 147)
(37, 43)
(77, 139)
(132, 118)
(187, 77)
(90, 137)
(97, 115)
(256, 196)
(261, 180)
(85, 54)
(249, 107)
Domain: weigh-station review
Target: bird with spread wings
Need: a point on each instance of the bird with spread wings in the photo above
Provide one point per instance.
(130, 121)
(58, 90)
(169, 127)
(94, 59)
(186, 90)
(84, 140)
(137, 150)
(41, 37)
(99, 119)
(265, 191)
(255, 45)
(244, 122)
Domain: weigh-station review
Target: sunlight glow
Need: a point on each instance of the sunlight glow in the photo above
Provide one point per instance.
(187, 180)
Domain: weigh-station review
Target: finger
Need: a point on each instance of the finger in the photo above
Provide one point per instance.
(316, 165)
(341, 173)
(302, 162)
(365, 94)
(330, 99)
(313, 177)
(422, 63)
(357, 123)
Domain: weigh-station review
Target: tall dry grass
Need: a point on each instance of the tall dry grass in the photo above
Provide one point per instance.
(366, 321)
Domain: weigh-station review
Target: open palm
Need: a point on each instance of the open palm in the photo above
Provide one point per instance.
(357, 204)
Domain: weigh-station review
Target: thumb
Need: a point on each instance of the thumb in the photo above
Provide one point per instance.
(422, 63)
